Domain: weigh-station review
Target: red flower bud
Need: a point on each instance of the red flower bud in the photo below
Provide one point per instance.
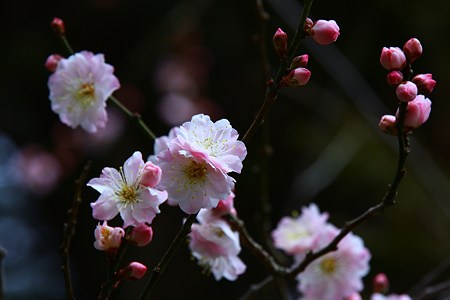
(280, 40)
(58, 26)
(413, 49)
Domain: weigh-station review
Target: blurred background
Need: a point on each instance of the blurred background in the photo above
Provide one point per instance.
(321, 142)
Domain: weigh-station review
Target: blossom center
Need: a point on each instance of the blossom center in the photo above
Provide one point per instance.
(106, 233)
(85, 94)
(328, 265)
(127, 195)
(195, 171)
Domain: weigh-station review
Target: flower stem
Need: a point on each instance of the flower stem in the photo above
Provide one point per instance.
(165, 260)
(273, 88)
(69, 231)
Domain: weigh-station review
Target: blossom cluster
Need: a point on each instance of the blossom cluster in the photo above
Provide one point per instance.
(336, 275)
(412, 91)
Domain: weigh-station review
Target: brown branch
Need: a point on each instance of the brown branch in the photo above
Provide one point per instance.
(433, 290)
(69, 231)
(274, 88)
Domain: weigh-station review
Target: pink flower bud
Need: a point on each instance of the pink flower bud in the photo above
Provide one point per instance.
(394, 77)
(388, 124)
(392, 58)
(141, 235)
(52, 62)
(299, 62)
(380, 283)
(108, 238)
(417, 112)
(58, 26)
(406, 91)
(133, 271)
(225, 206)
(297, 77)
(280, 40)
(425, 83)
(325, 32)
(413, 49)
(150, 175)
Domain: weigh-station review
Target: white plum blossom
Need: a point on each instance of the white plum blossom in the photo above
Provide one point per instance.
(79, 88)
(298, 235)
(121, 191)
(216, 247)
(338, 274)
(195, 159)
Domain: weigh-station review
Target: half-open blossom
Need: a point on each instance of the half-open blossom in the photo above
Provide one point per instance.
(406, 91)
(107, 237)
(195, 160)
(417, 112)
(412, 49)
(298, 235)
(216, 248)
(121, 192)
(325, 32)
(338, 274)
(392, 58)
(79, 88)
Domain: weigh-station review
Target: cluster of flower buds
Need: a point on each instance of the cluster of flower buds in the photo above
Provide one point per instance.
(398, 63)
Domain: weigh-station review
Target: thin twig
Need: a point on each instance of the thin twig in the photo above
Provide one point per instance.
(69, 231)
(433, 290)
(114, 264)
(273, 89)
(167, 257)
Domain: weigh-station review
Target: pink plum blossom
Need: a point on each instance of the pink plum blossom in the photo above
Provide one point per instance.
(406, 91)
(107, 237)
(79, 88)
(392, 58)
(216, 248)
(121, 192)
(325, 32)
(298, 235)
(195, 160)
(338, 274)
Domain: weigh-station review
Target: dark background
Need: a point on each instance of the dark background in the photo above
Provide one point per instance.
(325, 146)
